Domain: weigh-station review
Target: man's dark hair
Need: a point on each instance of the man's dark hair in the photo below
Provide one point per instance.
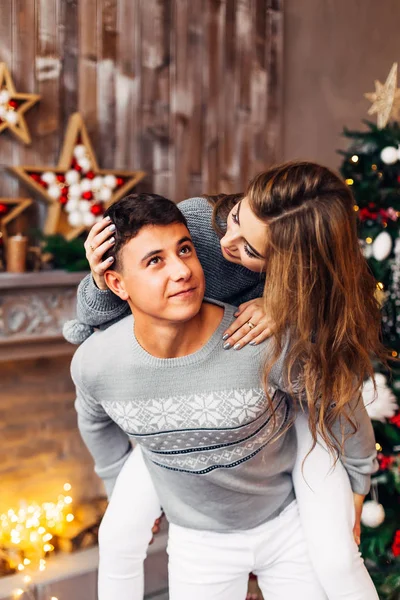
(132, 213)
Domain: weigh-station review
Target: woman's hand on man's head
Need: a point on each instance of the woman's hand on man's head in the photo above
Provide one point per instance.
(100, 239)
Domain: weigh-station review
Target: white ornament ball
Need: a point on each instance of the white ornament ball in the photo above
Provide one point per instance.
(4, 97)
(49, 177)
(389, 155)
(72, 205)
(89, 219)
(75, 218)
(86, 185)
(382, 404)
(105, 194)
(54, 192)
(97, 182)
(3, 111)
(74, 191)
(11, 117)
(85, 164)
(84, 206)
(373, 514)
(382, 246)
(72, 176)
(110, 181)
(79, 151)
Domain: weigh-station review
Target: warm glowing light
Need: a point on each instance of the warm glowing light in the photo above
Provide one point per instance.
(27, 579)
(368, 240)
(27, 530)
(356, 208)
(379, 285)
(354, 158)
(349, 181)
(18, 593)
(67, 487)
(53, 598)
(394, 353)
(378, 447)
(374, 167)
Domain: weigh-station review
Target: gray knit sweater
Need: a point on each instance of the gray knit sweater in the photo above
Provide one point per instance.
(205, 428)
(225, 281)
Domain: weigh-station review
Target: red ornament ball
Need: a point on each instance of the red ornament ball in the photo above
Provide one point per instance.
(87, 195)
(13, 104)
(97, 210)
(3, 208)
(35, 177)
(90, 175)
(63, 199)
(120, 181)
(60, 178)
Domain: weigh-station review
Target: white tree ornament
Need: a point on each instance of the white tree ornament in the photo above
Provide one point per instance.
(381, 405)
(382, 246)
(373, 514)
(389, 155)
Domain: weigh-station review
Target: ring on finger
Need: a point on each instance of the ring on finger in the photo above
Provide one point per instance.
(250, 324)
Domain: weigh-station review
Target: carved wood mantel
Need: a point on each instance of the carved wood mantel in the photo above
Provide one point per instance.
(33, 310)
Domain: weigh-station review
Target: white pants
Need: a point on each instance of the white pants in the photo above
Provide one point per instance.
(205, 565)
(326, 510)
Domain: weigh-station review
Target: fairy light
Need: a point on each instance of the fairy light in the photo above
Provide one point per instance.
(349, 181)
(368, 240)
(354, 158)
(394, 353)
(379, 285)
(18, 593)
(378, 447)
(374, 167)
(28, 531)
(356, 208)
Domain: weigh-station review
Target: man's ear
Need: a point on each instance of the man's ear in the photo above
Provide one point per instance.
(116, 284)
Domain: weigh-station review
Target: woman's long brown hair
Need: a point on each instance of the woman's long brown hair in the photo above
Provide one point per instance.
(318, 289)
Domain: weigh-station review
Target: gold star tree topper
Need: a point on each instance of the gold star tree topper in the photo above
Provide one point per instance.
(76, 191)
(13, 107)
(383, 98)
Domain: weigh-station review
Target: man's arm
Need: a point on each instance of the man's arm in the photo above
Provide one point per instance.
(107, 443)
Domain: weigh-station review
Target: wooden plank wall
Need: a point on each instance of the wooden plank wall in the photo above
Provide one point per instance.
(188, 90)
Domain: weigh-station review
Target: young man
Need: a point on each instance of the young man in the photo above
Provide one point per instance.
(219, 455)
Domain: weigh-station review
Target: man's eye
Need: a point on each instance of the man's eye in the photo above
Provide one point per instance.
(154, 261)
(185, 249)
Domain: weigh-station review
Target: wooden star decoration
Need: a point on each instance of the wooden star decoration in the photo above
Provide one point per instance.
(76, 191)
(383, 97)
(13, 106)
(10, 209)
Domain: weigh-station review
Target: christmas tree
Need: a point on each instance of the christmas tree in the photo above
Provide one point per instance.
(371, 166)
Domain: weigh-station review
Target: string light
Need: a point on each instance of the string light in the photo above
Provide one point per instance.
(394, 353)
(380, 285)
(378, 447)
(349, 181)
(27, 531)
(368, 240)
(354, 158)
(356, 208)
(374, 167)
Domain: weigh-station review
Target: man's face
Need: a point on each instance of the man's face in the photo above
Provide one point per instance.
(162, 275)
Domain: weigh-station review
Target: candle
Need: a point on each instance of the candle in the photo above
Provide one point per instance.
(16, 253)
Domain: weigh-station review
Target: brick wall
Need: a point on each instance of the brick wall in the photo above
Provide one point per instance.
(40, 446)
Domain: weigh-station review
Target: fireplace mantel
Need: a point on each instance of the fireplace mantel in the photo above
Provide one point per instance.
(33, 309)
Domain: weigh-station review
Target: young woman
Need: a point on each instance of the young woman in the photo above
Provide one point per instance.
(297, 223)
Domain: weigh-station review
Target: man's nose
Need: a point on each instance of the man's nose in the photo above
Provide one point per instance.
(180, 270)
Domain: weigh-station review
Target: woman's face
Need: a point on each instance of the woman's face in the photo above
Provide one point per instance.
(245, 236)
